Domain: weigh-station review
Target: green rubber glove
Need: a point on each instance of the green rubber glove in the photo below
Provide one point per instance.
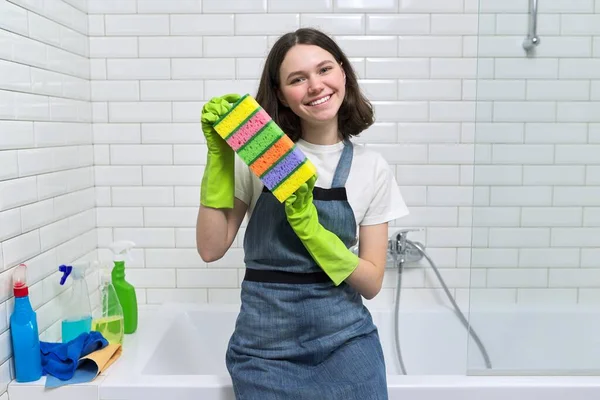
(328, 251)
(218, 181)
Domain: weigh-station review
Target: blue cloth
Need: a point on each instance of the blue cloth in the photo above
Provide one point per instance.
(303, 341)
(86, 372)
(61, 359)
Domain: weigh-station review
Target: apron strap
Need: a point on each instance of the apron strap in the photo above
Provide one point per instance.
(276, 276)
(343, 168)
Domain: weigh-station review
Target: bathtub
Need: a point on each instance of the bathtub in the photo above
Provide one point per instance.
(178, 353)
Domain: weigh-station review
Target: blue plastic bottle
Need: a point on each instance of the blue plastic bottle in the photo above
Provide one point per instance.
(24, 331)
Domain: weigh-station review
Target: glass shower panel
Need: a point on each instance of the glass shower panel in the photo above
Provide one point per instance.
(534, 298)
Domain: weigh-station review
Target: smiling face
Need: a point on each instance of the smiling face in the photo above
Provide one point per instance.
(312, 84)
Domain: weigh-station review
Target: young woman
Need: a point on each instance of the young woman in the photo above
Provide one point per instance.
(303, 331)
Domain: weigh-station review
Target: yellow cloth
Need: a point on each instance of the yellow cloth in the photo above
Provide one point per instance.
(104, 358)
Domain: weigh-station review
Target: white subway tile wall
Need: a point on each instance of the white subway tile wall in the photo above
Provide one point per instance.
(496, 153)
(47, 195)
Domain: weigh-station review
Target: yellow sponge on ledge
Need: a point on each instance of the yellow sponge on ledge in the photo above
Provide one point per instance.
(264, 147)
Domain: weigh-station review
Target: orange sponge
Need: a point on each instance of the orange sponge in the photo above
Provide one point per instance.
(264, 147)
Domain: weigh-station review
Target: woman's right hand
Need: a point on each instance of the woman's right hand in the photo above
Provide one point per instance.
(218, 182)
(211, 112)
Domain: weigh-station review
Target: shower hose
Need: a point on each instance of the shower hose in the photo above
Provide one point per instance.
(457, 310)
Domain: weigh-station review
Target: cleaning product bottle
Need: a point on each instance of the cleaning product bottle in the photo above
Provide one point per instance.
(78, 318)
(110, 321)
(125, 291)
(24, 331)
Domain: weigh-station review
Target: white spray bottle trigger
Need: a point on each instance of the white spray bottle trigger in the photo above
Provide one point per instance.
(122, 250)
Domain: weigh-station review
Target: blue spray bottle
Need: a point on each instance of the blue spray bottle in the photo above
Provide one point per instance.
(24, 331)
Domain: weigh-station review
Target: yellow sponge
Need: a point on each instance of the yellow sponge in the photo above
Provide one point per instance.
(264, 147)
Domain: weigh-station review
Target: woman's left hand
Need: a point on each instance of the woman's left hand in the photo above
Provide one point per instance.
(328, 251)
(299, 208)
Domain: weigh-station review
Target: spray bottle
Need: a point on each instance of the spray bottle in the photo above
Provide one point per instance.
(110, 321)
(79, 312)
(24, 331)
(125, 291)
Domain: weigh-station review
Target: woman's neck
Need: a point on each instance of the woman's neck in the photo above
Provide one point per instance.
(324, 134)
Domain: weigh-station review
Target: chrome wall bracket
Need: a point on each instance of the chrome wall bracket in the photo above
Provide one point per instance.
(532, 40)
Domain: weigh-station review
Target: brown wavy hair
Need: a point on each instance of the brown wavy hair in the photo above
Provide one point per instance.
(355, 113)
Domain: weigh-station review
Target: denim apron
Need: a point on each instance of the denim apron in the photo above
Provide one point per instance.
(297, 335)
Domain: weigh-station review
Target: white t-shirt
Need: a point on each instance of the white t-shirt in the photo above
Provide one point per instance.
(371, 187)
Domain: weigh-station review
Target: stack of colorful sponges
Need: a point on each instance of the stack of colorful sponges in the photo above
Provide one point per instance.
(264, 147)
